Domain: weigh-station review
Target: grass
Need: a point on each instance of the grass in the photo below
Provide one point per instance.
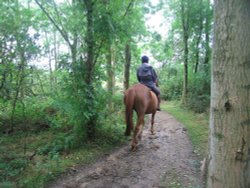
(197, 125)
(17, 169)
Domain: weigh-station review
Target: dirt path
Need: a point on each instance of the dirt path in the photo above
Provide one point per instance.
(165, 159)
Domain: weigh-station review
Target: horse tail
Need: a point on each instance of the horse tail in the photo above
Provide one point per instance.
(129, 98)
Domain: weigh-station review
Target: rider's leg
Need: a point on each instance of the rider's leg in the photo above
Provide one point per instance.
(158, 94)
(159, 101)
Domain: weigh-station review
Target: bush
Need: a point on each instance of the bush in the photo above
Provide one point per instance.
(11, 165)
(199, 92)
(171, 85)
(28, 115)
(171, 82)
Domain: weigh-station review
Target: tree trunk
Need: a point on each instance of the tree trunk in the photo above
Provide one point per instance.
(229, 141)
(19, 81)
(197, 53)
(56, 47)
(48, 51)
(127, 66)
(90, 125)
(207, 34)
(110, 71)
(185, 28)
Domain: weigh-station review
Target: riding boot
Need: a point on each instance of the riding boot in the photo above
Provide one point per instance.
(159, 101)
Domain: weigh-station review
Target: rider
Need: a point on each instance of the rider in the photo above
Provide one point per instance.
(147, 76)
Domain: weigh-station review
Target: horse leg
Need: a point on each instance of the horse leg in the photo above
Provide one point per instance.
(137, 132)
(152, 123)
(141, 129)
(129, 120)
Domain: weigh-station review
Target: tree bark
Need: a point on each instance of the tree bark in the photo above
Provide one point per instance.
(229, 141)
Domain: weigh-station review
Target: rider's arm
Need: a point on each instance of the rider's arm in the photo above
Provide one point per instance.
(155, 77)
(138, 77)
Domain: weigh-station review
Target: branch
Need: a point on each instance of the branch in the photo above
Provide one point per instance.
(130, 4)
(64, 34)
(98, 49)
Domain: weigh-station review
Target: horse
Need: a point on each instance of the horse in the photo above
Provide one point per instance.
(144, 101)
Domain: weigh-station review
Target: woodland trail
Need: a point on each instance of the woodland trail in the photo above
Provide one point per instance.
(165, 159)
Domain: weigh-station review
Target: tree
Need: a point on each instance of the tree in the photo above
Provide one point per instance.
(208, 18)
(199, 35)
(229, 141)
(127, 65)
(89, 68)
(17, 47)
(185, 17)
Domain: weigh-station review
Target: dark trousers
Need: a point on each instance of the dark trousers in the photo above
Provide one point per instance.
(156, 90)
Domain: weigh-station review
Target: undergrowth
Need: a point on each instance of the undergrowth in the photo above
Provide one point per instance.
(31, 158)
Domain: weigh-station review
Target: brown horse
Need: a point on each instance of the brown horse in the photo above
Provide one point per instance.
(141, 99)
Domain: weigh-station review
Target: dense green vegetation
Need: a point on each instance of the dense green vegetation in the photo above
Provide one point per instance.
(46, 146)
(64, 65)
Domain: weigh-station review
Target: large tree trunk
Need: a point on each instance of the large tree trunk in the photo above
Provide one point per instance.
(229, 142)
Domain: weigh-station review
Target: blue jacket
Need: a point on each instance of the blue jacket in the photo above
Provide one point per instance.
(146, 75)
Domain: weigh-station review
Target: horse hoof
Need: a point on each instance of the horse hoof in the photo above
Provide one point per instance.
(152, 132)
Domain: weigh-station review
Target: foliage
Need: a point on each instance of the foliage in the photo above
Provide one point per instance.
(199, 87)
(37, 157)
(197, 20)
(29, 115)
(171, 81)
(199, 95)
(11, 165)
